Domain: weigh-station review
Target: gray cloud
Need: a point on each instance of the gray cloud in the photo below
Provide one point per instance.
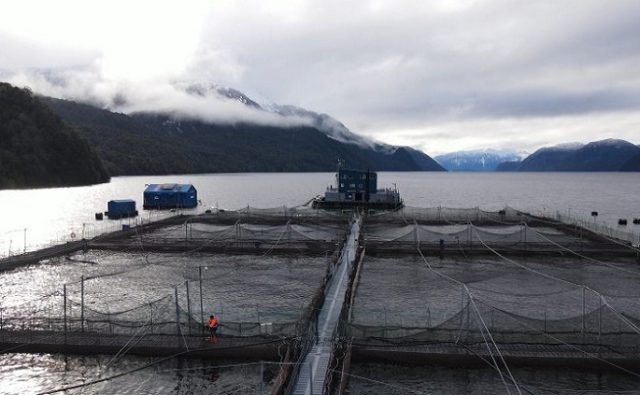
(436, 75)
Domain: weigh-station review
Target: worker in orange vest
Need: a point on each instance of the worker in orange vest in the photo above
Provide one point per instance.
(213, 326)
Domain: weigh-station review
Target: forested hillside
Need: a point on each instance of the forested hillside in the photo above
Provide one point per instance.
(37, 149)
(159, 144)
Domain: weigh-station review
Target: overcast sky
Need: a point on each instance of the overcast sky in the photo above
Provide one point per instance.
(436, 75)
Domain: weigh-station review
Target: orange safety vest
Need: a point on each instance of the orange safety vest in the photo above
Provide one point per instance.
(213, 322)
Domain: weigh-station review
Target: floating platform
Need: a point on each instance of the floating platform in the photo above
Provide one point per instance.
(356, 189)
(321, 203)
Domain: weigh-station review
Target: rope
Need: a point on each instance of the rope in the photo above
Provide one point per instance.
(604, 299)
(480, 317)
(586, 257)
(395, 386)
(157, 361)
(118, 354)
(588, 354)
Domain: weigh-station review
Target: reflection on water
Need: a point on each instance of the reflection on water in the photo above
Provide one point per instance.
(53, 214)
(122, 286)
(33, 373)
(31, 218)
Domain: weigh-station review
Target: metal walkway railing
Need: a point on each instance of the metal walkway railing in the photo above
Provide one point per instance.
(316, 363)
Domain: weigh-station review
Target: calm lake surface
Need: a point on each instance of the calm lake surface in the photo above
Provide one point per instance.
(53, 214)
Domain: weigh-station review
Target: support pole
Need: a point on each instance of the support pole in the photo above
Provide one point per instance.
(25, 239)
(151, 317)
(186, 284)
(201, 305)
(385, 322)
(82, 303)
(600, 318)
(261, 382)
(583, 311)
(177, 315)
(186, 234)
(310, 378)
(64, 307)
(317, 313)
(461, 306)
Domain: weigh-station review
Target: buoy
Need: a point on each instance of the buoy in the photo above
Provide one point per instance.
(594, 213)
(207, 211)
(73, 235)
(622, 221)
(99, 216)
(636, 221)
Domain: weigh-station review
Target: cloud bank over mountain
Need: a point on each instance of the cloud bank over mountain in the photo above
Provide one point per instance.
(441, 76)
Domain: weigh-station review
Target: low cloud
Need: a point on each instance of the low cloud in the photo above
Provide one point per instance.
(159, 96)
(436, 75)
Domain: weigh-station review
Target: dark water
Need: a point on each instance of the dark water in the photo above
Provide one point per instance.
(33, 373)
(32, 218)
(237, 287)
(379, 378)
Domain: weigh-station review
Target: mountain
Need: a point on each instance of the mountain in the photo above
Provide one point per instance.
(155, 143)
(632, 164)
(604, 155)
(37, 149)
(322, 122)
(478, 160)
(508, 166)
(549, 158)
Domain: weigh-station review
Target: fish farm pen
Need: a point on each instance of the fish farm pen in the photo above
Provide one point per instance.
(328, 301)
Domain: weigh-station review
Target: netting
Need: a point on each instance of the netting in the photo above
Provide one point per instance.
(161, 316)
(522, 238)
(409, 214)
(297, 212)
(122, 294)
(466, 233)
(195, 235)
(517, 306)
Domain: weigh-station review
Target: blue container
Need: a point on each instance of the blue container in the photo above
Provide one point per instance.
(121, 209)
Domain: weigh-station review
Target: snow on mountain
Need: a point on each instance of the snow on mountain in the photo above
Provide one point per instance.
(603, 155)
(478, 160)
(331, 127)
(616, 143)
(224, 92)
(323, 122)
(573, 146)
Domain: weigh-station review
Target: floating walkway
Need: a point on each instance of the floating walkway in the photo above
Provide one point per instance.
(313, 370)
(92, 343)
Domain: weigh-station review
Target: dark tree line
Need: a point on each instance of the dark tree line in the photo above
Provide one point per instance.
(157, 144)
(37, 149)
